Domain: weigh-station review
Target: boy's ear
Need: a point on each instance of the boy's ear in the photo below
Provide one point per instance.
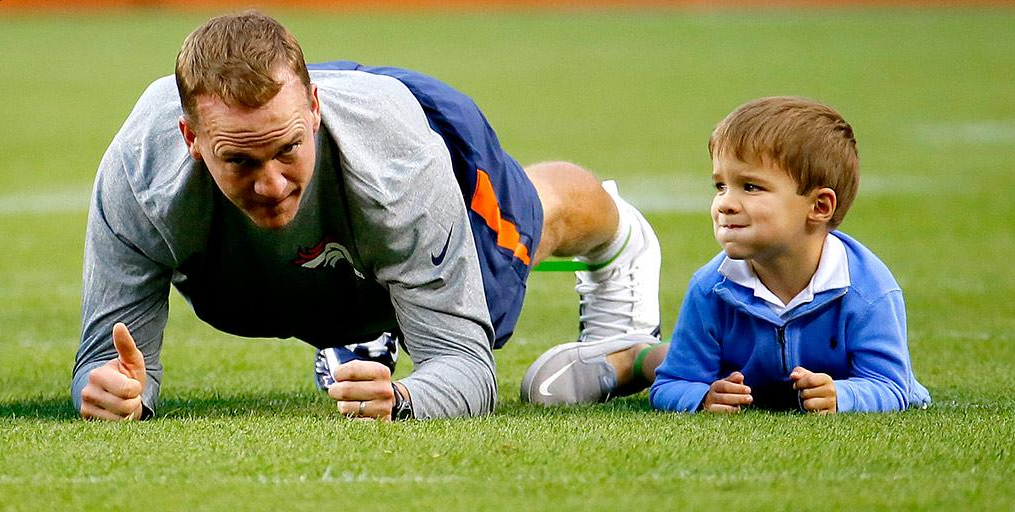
(823, 204)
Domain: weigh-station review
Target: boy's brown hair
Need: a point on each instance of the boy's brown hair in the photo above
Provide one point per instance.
(235, 57)
(807, 139)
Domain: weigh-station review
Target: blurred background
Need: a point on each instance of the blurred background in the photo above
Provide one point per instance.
(630, 90)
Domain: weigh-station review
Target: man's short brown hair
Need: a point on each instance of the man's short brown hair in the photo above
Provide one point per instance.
(807, 139)
(236, 57)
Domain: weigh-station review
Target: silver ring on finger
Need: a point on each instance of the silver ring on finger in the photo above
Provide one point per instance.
(362, 406)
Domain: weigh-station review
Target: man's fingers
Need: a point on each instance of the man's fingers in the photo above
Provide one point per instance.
(103, 405)
(90, 412)
(736, 377)
(348, 408)
(104, 400)
(110, 395)
(130, 357)
(362, 370)
(126, 388)
(361, 391)
(365, 410)
(110, 378)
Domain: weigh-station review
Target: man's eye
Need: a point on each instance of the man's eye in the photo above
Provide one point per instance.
(290, 148)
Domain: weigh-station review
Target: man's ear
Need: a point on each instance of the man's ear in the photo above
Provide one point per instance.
(823, 204)
(188, 137)
(315, 106)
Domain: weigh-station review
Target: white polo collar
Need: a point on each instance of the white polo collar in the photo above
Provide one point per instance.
(832, 273)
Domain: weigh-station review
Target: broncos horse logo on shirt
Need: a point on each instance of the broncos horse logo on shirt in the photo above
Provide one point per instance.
(325, 253)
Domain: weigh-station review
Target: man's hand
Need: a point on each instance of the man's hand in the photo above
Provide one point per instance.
(363, 390)
(816, 390)
(114, 390)
(728, 395)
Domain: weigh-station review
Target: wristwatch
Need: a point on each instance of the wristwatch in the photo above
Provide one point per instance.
(402, 410)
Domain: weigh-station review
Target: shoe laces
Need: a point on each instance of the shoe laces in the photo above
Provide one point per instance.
(607, 302)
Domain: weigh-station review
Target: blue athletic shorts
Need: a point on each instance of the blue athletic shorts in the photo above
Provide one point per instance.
(504, 209)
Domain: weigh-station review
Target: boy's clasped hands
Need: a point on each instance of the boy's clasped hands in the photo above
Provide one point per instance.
(729, 395)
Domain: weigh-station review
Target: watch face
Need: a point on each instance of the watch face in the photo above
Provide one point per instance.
(402, 409)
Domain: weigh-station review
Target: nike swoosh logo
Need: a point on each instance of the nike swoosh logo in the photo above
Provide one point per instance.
(438, 259)
(544, 388)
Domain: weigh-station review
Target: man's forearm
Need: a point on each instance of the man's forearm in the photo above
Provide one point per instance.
(452, 386)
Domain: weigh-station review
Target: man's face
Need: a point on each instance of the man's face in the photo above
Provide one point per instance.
(756, 212)
(262, 159)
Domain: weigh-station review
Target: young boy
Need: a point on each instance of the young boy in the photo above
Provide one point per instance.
(791, 314)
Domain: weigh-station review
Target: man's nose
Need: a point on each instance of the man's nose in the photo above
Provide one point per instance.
(270, 182)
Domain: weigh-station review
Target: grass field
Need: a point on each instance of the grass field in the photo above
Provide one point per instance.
(632, 96)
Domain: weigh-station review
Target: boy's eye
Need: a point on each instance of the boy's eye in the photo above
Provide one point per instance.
(750, 187)
(719, 186)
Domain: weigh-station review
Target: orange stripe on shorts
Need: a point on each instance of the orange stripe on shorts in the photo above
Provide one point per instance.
(484, 203)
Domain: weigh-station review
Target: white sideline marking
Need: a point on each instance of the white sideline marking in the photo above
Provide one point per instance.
(682, 192)
(967, 336)
(966, 132)
(345, 477)
(67, 199)
(350, 477)
(891, 183)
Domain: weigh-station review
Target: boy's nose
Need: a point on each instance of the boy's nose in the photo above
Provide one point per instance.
(725, 204)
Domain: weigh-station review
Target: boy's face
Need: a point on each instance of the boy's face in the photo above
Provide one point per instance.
(757, 213)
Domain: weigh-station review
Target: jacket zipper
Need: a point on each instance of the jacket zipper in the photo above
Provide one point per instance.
(781, 331)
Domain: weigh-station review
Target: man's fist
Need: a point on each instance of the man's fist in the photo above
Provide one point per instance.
(114, 390)
(363, 390)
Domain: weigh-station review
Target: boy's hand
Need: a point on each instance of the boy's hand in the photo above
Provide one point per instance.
(727, 395)
(816, 390)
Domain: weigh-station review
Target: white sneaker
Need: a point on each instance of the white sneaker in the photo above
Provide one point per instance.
(577, 373)
(619, 309)
(383, 349)
(622, 296)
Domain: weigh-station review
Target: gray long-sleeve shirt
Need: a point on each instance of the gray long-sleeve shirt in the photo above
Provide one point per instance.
(354, 262)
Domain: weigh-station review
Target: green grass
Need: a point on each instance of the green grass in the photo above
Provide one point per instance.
(630, 95)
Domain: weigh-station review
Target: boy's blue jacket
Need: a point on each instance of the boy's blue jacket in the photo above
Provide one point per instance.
(857, 335)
